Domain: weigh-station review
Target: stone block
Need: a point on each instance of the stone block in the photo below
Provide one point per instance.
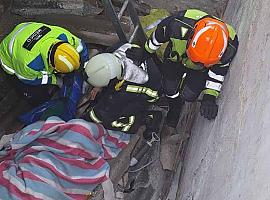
(41, 7)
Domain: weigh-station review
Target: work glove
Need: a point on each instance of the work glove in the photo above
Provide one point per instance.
(209, 108)
(137, 54)
(152, 122)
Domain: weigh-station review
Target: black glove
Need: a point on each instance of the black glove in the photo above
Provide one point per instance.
(137, 54)
(152, 122)
(209, 108)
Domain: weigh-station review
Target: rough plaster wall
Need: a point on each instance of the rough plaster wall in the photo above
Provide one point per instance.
(228, 158)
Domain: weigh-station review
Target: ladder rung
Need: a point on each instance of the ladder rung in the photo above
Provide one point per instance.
(134, 33)
(123, 9)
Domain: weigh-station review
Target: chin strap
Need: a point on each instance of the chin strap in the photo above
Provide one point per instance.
(118, 86)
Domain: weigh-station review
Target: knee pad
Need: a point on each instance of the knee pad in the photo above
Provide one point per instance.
(188, 95)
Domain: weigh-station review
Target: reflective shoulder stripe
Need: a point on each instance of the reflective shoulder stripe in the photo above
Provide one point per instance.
(10, 70)
(94, 117)
(45, 79)
(195, 14)
(80, 46)
(215, 76)
(11, 43)
(213, 85)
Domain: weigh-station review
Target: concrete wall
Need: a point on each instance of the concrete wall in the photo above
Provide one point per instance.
(228, 158)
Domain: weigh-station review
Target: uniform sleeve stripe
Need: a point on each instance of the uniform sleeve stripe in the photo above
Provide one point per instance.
(153, 46)
(211, 74)
(45, 79)
(80, 47)
(213, 85)
(155, 42)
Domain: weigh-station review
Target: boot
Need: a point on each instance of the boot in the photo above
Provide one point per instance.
(175, 107)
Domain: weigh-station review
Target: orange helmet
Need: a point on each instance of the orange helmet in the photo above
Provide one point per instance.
(209, 42)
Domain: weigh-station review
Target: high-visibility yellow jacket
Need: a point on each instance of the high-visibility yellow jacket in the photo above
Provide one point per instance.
(24, 52)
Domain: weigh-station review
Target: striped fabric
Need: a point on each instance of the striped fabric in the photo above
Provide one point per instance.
(57, 160)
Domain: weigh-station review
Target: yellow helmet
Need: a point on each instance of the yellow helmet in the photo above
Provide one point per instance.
(64, 58)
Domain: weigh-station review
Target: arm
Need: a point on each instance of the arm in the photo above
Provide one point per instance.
(43, 80)
(118, 110)
(216, 75)
(159, 36)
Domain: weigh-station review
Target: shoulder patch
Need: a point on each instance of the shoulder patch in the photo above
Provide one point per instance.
(62, 37)
(37, 64)
(184, 31)
(35, 37)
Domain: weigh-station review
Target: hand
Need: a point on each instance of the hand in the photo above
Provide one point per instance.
(94, 92)
(136, 54)
(209, 108)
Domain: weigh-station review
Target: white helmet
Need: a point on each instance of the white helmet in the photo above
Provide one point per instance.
(101, 68)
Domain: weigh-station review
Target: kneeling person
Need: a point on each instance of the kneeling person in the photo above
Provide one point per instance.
(131, 88)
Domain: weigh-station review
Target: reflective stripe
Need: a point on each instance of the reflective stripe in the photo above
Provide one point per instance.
(80, 47)
(130, 123)
(143, 90)
(152, 46)
(6, 67)
(125, 127)
(173, 96)
(211, 92)
(11, 43)
(117, 124)
(94, 117)
(45, 79)
(12, 71)
(213, 85)
(225, 65)
(215, 76)
(155, 42)
(147, 48)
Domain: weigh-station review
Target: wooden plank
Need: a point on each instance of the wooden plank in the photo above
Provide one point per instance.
(92, 29)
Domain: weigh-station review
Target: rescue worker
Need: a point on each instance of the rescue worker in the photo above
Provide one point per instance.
(128, 93)
(37, 54)
(200, 48)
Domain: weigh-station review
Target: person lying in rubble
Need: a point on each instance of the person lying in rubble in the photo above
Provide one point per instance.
(129, 88)
(39, 55)
(199, 50)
